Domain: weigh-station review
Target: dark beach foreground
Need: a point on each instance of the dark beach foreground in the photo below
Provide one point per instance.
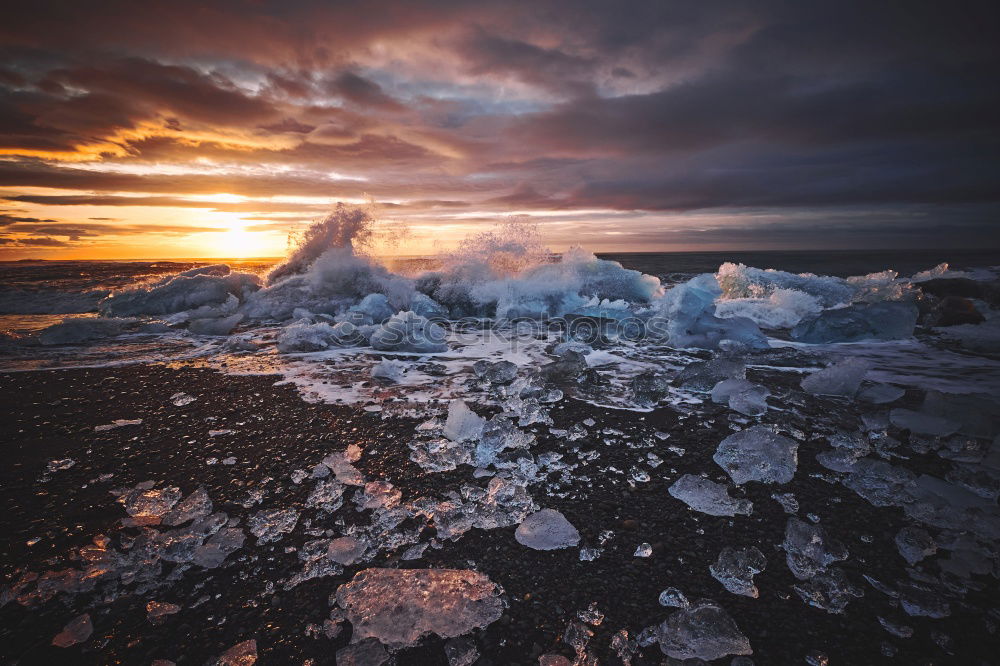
(48, 516)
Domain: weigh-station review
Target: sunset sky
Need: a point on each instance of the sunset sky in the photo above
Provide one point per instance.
(181, 129)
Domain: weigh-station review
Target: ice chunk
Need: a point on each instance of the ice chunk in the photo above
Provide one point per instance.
(501, 372)
(649, 388)
(809, 550)
(705, 375)
(272, 524)
(841, 378)
(702, 631)
(643, 550)
(117, 423)
(758, 454)
(914, 544)
(157, 611)
(881, 394)
(181, 399)
(75, 330)
(388, 369)
(375, 309)
(61, 464)
(830, 590)
(741, 281)
(305, 337)
(787, 502)
(922, 423)
(708, 497)
(686, 318)
(400, 606)
(241, 654)
(499, 434)
(209, 288)
(673, 598)
(896, 628)
(147, 506)
(547, 530)
(875, 321)
(742, 396)
(409, 332)
(462, 424)
(879, 482)
(196, 505)
(784, 308)
(215, 551)
(77, 631)
(214, 325)
(346, 550)
(736, 567)
(752, 401)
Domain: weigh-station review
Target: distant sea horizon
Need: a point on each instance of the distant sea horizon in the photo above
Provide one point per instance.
(840, 262)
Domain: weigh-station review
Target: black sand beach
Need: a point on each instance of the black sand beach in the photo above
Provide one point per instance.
(48, 516)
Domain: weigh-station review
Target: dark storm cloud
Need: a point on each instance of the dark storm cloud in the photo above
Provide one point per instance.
(362, 91)
(554, 105)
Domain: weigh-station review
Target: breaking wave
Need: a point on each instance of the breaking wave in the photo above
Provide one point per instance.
(335, 292)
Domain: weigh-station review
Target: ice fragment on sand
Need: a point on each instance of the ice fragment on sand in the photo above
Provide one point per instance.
(60, 465)
(241, 654)
(77, 631)
(758, 454)
(499, 434)
(156, 611)
(181, 399)
(400, 606)
(830, 590)
(147, 506)
(702, 631)
(705, 375)
(787, 502)
(117, 423)
(708, 497)
(923, 423)
(736, 567)
(809, 550)
(897, 629)
(546, 530)
(643, 550)
(196, 505)
(215, 551)
(462, 424)
(272, 524)
(345, 550)
(914, 544)
(877, 321)
(673, 598)
(841, 378)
